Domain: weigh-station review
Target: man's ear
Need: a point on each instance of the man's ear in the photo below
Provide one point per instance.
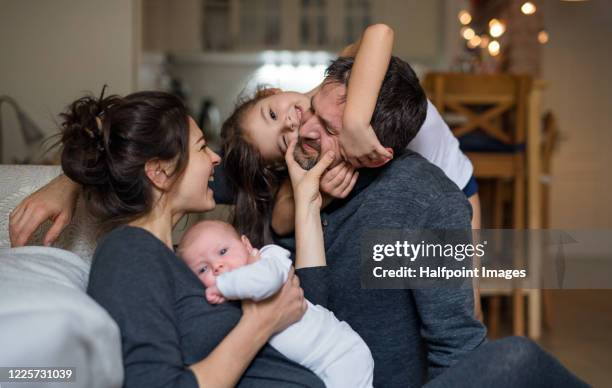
(377, 163)
(157, 172)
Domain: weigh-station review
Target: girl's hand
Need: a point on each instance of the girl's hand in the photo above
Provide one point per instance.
(363, 149)
(281, 310)
(339, 181)
(306, 183)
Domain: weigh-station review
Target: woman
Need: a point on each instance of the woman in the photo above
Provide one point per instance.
(142, 163)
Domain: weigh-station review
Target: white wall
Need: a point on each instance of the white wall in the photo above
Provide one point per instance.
(577, 63)
(53, 51)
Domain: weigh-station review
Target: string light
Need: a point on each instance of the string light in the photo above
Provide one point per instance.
(543, 37)
(467, 33)
(494, 48)
(474, 42)
(528, 8)
(496, 28)
(484, 41)
(464, 17)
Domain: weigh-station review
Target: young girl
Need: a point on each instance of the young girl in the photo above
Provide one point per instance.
(142, 163)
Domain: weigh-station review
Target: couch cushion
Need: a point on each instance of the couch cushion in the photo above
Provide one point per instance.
(46, 318)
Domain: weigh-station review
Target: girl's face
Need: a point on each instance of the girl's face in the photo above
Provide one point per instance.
(191, 192)
(272, 122)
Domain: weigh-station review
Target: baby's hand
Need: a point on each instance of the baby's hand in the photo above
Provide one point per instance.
(339, 181)
(214, 296)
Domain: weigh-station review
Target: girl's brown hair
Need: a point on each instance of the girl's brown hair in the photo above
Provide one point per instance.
(254, 181)
(107, 142)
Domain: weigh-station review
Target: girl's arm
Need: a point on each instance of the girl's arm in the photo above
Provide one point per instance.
(335, 183)
(372, 55)
(310, 249)
(283, 214)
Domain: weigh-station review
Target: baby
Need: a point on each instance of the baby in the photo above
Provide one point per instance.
(231, 268)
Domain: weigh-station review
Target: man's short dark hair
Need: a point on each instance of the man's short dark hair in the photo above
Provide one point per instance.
(401, 106)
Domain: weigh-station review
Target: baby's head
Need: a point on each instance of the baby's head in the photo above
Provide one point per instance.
(211, 248)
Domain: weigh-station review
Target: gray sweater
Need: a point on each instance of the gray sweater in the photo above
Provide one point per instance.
(166, 323)
(408, 331)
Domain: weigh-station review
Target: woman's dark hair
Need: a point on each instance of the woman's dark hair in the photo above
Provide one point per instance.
(254, 182)
(107, 142)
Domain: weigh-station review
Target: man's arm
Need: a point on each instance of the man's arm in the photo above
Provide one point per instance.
(259, 280)
(55, 201)
(449, 326)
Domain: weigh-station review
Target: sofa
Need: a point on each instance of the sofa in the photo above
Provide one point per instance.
(46, 318)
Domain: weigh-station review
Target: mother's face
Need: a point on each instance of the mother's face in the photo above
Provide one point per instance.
(272, 123)
(191, 192)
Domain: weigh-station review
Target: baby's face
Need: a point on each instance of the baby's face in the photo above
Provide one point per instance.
(215, 250)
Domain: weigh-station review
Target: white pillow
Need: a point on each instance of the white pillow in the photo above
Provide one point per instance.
(47, 320)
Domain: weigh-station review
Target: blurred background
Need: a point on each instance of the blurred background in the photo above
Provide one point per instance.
(525, 85)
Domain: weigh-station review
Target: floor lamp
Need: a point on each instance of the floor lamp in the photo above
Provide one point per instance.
(32, 134)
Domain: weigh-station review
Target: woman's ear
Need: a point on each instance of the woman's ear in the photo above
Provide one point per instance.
(157, 172)
(247, 243)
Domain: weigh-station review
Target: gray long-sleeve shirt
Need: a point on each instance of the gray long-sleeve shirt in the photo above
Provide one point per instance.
(408, 331)
(165, 321)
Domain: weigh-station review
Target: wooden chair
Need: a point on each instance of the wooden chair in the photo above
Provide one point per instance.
(488, 113)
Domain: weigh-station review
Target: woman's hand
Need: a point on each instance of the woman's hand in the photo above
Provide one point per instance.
(55, 201)
(283, 309)
(362, 148)
(306, 183)
(339, 181)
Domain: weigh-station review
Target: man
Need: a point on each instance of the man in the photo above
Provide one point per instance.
(415, 335)
(407, 193)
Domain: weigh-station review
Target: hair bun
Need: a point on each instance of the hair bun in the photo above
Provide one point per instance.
(84, 124)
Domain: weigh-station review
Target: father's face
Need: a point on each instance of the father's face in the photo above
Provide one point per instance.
(319, 129)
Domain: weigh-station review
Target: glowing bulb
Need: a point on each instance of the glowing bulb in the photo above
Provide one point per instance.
(528, 8)
(494, 48)
(465, 17)
(467, 33)
(543, 37)
(484, 41)
(496, 28)
(474, 42)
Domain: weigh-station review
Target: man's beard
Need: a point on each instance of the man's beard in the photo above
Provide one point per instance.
(303, 158)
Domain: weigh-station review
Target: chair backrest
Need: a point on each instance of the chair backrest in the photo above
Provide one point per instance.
(494, 104)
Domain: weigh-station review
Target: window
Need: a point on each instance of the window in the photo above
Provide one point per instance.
(357, 18)
(259, 23)
(313, 23)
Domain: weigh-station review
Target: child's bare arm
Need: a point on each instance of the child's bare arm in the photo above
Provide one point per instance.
(335, 183)
(283, 214)
(372, 56)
